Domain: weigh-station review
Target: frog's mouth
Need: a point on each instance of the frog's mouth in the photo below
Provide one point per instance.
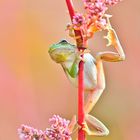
(60, 56)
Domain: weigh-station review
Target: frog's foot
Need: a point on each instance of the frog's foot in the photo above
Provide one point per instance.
(81, 52)
(72, 34)
(110, 37)
(108, 26)
(90, 132)
(82, 59)
(86, 129)
(71, 29)
(97, 128)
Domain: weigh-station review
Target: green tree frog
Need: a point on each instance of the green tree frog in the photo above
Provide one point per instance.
(68, 56)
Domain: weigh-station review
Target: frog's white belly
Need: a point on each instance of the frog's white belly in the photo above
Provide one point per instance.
(90, 73)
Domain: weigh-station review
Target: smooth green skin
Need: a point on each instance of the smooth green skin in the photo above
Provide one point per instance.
(65, 53)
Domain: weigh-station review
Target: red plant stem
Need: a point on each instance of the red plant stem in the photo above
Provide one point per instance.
(81, 114)
(80, 43)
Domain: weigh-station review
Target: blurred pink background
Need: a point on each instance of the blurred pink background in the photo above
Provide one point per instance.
(33, 87)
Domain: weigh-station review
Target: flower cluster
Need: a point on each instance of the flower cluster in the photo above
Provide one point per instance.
(95, 17)
(30, 133)
(111, 2)
(95, 9)
(78, 20)
(58, 131)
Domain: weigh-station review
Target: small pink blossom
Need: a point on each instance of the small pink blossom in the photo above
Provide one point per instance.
(97, 8)
(111, 2)
(58, 131)
(101, 23)
(78, 20)
(30, 133)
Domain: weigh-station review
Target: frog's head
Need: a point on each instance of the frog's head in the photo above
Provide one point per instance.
(61, 51)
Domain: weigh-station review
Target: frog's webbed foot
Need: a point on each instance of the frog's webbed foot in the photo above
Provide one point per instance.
(82, 52)
(111, 35)
(86, 129)
(71, 29)
(97, 127)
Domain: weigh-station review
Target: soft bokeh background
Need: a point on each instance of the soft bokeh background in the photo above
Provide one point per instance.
(33, 87)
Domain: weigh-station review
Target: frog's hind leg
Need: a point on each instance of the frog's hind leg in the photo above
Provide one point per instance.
(94, 95)
(95, 127)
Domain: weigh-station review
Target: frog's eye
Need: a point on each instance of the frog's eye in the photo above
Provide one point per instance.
(63, 41)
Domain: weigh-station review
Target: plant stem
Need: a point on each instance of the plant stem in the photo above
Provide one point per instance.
(81, 114)
(80, 44)
(79, 41)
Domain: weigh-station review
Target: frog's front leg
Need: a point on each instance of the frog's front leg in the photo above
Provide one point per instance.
(72, 71)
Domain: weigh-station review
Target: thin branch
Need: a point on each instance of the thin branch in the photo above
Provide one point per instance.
(80, 44)
(79, 41)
